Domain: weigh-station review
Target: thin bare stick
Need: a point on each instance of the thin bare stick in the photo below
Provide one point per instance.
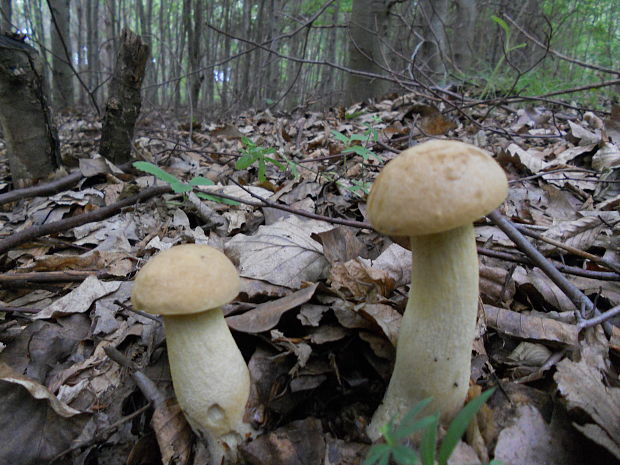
(579, 299)
(63, 225)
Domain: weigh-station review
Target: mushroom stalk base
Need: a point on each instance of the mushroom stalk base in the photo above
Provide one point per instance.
(433, 356)
(210, 377)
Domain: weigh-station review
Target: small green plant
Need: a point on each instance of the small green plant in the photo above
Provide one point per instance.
(252, 153)
(179, 186)
(364, 139)
(427, 454)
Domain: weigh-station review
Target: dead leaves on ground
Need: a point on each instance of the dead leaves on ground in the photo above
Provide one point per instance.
(320, 306)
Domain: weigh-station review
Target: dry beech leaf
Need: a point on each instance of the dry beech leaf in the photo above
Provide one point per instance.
(530, 159)
(174, 435)
(385, 317)
(607, 156)
(580, 233)
(340, 244)
(282, 253)
(80, 299)
(34, 425)
(358, 280)
(298, 443)
(531, 441)
(541, 290)
(266, 316)
(533, 328)
(585, 390)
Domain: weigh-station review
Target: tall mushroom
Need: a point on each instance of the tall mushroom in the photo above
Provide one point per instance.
(432, 193)
(187, 284)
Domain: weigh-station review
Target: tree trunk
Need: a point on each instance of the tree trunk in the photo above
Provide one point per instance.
(61, 53)
(366, 31)
(434, 53)
(6, 10)
(124, 102)
(32, 142)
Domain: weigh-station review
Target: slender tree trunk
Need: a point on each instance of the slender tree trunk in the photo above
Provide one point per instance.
(61, 51)
(366, 31)
(6, 10)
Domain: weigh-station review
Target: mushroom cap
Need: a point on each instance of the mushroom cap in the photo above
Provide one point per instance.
(185, 279)
(434, 187)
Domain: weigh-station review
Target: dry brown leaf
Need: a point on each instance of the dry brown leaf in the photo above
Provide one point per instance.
(541, 290)
(34, 425)
(583, 387)
(298, 443)
(580, 233)
(174, 435)
(80, 299)
(358, 281)
(282, 253)
(531, 441)
(530, 327)
(385, 317)
(266, 316)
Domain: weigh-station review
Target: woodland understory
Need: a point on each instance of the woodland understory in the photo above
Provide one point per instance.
(322, 293)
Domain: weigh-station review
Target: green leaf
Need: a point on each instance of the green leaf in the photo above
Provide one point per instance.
(245, 161)
(501, 23)
(405, 431)
(215, 198)
(378, 454)
(428, 442)
(155, 171)
(176, 184)
(341, 137)
(459, 425)
(200, 181)
(261, 170)
(404, 455)
(409, 419)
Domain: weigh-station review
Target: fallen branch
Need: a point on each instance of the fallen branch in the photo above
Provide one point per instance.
(63, 225)
(580, 300)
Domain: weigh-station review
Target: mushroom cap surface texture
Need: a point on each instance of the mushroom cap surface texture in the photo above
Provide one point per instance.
(434, 187)
(185, 279)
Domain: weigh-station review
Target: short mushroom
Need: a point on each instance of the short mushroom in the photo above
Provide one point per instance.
(188, 284)
(432, 193)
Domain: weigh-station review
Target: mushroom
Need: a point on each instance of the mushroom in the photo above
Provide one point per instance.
(432, 193)
(187, 284)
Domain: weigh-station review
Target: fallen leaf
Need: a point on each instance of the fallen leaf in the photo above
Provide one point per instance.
(34, 425)
(531, 327)
(282, 253)
(266, 316)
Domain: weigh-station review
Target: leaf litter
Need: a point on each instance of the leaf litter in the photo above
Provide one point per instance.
(320, 307)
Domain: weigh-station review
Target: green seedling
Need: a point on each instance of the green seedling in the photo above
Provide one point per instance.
(395, 436)
(179, 186)
(365, 138)
(253, 154)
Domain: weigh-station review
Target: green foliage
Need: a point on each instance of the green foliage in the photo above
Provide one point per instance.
(357, 143)
(394, 436)
(179, 186)
(252, 153)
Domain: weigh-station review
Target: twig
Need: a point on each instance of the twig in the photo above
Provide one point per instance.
(51, 187)
(579, 299)
(63, 225)
(51, 276)
(600, 275)
(581, 253)
(602, 318)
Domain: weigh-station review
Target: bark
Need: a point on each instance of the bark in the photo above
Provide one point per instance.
(366, 31)
(124, 102)
(61, 53)
(463, 34)
(6, 10)
(32, 148)
(433, 54)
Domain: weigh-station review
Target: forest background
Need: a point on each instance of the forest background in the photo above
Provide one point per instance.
(221, 57)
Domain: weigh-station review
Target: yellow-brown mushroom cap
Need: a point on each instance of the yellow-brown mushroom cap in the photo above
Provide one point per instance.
(434, 187)
(185, 279)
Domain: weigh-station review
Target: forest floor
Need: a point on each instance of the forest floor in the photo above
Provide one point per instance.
(322, 293)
